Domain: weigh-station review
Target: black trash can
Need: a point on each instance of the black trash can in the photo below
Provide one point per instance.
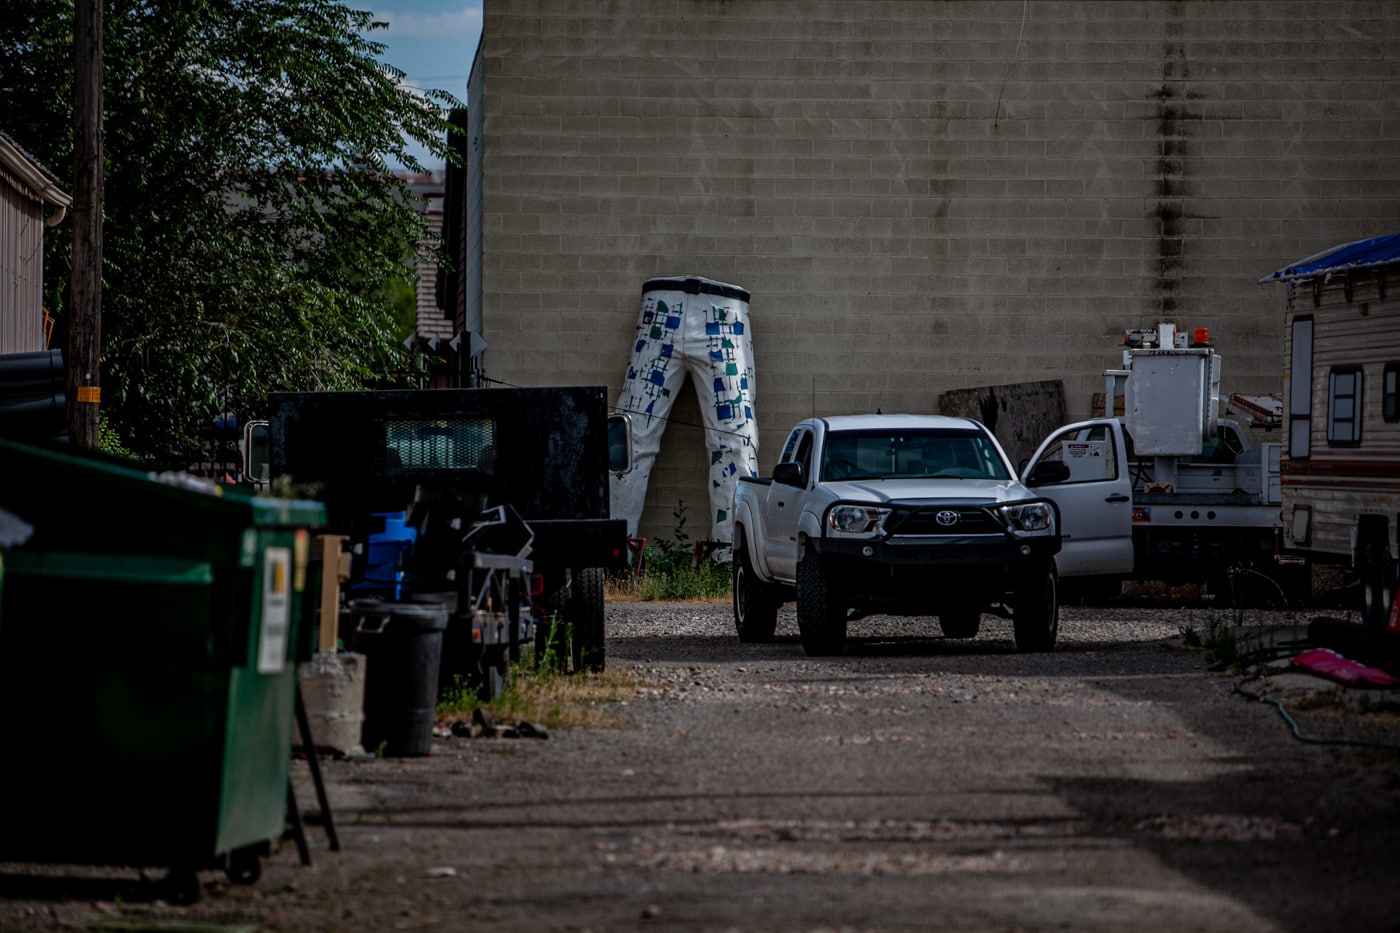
(402, 643)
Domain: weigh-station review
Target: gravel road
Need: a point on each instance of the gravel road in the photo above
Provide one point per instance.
(915, 783)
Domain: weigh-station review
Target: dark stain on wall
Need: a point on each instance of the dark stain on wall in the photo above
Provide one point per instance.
(1174, 117)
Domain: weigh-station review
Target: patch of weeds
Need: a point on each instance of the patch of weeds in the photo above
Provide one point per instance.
(1235, 638)
(671, 573)
(543, 692)
(456, 698)
(1227, 639)
(558, 654)
(562, 701)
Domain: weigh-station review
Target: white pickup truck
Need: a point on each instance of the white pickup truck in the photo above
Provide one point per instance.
(896, 514)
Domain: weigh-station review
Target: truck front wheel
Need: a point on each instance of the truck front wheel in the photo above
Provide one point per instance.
(755, 604)
(1035, 609)
(821, 618)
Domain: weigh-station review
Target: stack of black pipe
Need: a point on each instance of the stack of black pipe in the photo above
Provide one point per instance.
(33, 405)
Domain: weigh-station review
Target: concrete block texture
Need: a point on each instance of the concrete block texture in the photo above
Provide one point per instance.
(920, 195)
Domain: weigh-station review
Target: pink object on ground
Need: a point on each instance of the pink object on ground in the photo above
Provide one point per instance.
(1327, 663)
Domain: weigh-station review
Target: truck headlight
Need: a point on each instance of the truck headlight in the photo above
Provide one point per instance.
(1029, 518)
(855, 519)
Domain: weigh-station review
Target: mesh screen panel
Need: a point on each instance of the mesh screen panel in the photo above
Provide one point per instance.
(443, 444)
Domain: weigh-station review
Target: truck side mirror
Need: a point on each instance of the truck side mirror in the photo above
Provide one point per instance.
(789, 473)
(1048, 472)
(257, 453)
(619, 443)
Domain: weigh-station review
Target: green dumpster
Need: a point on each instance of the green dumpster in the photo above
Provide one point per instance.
(150, 628)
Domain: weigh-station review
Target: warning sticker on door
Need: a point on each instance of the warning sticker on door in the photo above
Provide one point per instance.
(1086, 450)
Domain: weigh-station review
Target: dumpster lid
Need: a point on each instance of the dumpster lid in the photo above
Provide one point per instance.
(81, 469)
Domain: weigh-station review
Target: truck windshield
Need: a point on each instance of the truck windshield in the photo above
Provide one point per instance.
(863, 455)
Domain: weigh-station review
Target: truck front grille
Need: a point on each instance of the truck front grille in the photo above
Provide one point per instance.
(925, 521)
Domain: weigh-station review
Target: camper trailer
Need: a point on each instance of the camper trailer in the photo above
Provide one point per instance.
(1341, 452)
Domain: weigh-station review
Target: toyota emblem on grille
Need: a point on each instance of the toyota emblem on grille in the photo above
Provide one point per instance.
(946, 517)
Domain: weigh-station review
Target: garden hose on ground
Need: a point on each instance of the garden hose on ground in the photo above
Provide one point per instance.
(1298, 734)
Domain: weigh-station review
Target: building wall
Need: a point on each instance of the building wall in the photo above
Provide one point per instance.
(920, 196)
(432, 320)
(21, 267)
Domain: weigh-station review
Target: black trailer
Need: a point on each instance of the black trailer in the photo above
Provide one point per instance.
(510, 473)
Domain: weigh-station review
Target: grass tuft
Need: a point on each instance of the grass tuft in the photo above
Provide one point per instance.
(544, 694)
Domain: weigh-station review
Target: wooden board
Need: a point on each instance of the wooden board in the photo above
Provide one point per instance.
(1020, 415)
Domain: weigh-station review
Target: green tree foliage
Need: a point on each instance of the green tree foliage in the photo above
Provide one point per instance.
(252, 228)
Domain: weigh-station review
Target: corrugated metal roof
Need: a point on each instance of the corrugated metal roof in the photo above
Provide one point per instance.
(1362, 254)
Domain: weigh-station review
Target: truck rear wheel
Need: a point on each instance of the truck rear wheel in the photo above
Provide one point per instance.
(1035, 610)
(755, 603)
(821, 619)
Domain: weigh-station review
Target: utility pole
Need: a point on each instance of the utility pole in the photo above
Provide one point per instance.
(85, 285)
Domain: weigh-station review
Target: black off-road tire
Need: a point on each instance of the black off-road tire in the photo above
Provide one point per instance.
(960, 621)
(586, 614)
(821, 618)
(1377, 573)
(1035, 609)
(755, 602)
(572, 633)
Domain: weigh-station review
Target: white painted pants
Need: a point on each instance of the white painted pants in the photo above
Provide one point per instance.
(701, 327)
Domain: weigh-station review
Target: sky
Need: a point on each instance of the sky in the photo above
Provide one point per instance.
(432, 42)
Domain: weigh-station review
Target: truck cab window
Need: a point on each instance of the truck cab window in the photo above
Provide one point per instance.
(1088, 452)
(804, 453)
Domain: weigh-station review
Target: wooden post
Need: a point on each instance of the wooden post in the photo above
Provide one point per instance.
(335, 570)
(85, 287)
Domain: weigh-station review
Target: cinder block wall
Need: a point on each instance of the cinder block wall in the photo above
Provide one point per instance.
(921, 196)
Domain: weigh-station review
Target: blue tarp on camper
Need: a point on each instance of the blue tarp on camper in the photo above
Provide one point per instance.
(1362, 254)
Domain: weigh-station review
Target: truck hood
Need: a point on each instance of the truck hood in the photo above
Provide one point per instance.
(919, 491)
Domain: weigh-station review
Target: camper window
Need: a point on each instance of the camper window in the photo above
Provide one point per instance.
(1344, 406)
(1300, 391)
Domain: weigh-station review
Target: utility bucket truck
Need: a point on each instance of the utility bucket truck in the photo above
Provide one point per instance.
(1168, 489)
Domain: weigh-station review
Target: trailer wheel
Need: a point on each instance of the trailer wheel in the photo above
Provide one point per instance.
(755, 602)
(1377, 572)
(821, 619)
(586, 614)
(1035, 610)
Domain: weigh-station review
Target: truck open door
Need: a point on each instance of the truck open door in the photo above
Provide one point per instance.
(1096, 501)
